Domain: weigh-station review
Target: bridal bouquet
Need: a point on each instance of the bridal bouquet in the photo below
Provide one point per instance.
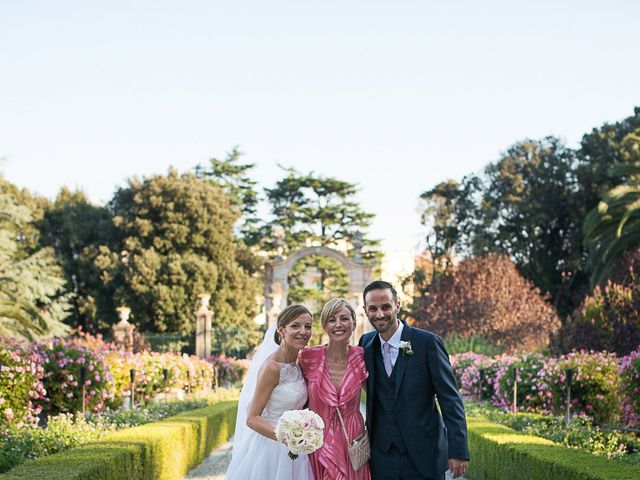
(301, 431)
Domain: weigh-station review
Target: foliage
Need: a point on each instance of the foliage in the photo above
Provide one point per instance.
(75, 229)
(234, 179)
(174, 242)
(62, 361)
(314, 280)
(167, 449)
(33, 302)
(629, 369)
(229, 370)
(595, 386)
(609, 319)
(65, 431)
(187, 373)
(533, 390)
(456, 343)
(20, 384)
(475, 374)
(448, 210)
(613, 227)
(531, 432)
(316, 210)
(487, 296)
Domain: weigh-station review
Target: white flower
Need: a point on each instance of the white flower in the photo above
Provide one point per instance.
(405, 347)
(301, 431)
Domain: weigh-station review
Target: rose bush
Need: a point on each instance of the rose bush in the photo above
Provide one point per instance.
(21, 389)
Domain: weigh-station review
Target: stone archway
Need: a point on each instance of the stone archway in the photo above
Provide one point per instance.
(276, 286)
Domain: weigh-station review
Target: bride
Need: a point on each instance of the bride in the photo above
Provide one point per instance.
(273, 386)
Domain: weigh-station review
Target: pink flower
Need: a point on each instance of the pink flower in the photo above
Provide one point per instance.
(8, 413)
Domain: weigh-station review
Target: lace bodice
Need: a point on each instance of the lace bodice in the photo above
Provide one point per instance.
(289, 394)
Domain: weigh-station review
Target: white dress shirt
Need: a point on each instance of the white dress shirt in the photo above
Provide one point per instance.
(394, 344)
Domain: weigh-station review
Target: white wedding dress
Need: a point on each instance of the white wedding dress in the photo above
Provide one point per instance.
(256, 457)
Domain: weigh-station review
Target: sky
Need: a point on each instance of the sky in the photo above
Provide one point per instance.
(393, 96)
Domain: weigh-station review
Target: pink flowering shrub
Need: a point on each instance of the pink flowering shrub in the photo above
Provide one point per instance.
(629, 369)
(474, 374)
(229, 370)
(62, 361)
(595, 386)
(21, 391)
(531, 372)
(184, 372)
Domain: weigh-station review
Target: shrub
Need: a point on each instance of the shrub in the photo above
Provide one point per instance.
(21, 390)
(457, 343)
(500, 452)
(163, 450)
(62, 361)
(629, 369)
(487, 296)
(63, 431)
(609, 319)
(475, 374)
(229, 370)
(533, 392)
(595, 387)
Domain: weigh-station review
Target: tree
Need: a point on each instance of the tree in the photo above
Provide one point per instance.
(75, 229)
(315, 280)
(233, 177)
(174, 241)
(316, 210)
(311, 210)
(605, 147)
(532, 211)
(33, 301)
(613, 227)
(488, 297)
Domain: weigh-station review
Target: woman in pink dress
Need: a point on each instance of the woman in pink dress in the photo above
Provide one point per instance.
(335, 374)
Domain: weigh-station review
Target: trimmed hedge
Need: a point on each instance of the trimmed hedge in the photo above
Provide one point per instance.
(164, 450)
(498, 452)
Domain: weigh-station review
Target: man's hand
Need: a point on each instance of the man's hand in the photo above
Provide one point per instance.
(458, 467)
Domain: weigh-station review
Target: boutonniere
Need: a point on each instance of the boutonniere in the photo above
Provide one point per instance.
(405, 348)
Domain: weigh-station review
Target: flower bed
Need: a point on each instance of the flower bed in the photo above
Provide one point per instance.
(600, 381)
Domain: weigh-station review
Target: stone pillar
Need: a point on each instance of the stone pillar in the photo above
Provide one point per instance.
(123, 331)
(203, 327)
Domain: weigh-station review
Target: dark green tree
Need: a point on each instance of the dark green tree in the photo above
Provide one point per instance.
(75, 229)
(316, 210)
(312, 210)
(33, 300)
(531, 209)
(174, 240)
(602, 149)
(314, 281)
(613, 227)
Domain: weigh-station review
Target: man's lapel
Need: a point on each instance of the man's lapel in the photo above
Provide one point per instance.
(401, 362)
(369, 350)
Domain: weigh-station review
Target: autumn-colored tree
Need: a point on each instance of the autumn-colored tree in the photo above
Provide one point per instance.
(488, 297)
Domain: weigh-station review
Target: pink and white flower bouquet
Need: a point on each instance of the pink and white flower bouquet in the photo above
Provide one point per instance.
(301, 431)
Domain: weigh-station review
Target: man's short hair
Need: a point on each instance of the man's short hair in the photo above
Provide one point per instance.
(379, 285)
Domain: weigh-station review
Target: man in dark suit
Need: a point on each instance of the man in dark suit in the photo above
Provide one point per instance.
(408, 367)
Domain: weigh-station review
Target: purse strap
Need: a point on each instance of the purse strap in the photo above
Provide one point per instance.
(344, 429)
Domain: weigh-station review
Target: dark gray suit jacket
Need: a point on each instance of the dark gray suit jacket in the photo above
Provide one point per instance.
(419, 378)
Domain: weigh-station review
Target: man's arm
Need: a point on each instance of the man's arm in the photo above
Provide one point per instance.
(448, 398)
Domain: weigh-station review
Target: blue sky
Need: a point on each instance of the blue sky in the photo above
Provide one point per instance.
(394, 96)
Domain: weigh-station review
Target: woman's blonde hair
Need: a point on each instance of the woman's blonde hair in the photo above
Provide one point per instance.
(288, 315)
(331, 308)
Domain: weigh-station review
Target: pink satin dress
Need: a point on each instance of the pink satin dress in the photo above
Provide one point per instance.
(331, 461)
